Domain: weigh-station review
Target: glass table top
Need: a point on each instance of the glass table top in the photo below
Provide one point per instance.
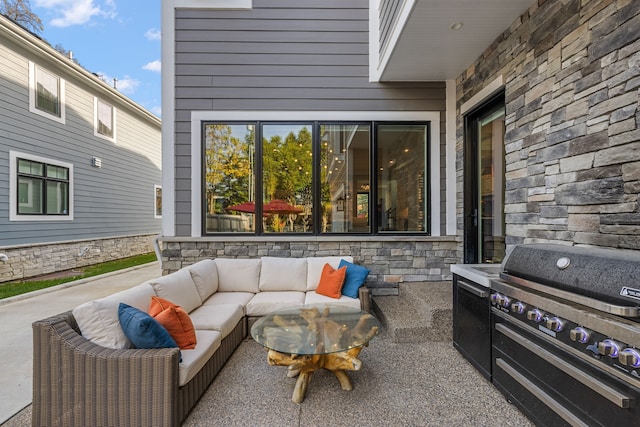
(315, 329)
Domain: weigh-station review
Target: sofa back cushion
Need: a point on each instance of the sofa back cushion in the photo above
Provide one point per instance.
(178, 288)
(98, 319)
(205, 276)
(238, 275)
(315, 266)
(283, 274)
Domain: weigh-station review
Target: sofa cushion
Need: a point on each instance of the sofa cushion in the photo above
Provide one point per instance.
(193, 360)
(143, 330)
(266, 302)
(313, 297)
(331, 281)
(315, 265)
(283, 274)
(98, 319)
(219, 317)
(355, 277)
(178, 288)
(175, 320)
(205, 276)
(238, 275)
(238, 298)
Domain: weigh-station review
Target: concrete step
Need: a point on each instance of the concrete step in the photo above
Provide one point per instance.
(421, 312)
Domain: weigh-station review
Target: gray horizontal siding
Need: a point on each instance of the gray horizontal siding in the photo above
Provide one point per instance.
(281, 55)
(115, 200)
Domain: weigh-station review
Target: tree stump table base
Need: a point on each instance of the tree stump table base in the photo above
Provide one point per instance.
(309, 338)
(303, 366)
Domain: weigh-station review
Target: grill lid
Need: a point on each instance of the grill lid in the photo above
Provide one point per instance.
(611, 275)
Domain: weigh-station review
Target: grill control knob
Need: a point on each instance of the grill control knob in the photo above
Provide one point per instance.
(630, 357)
(555, 324)
(494, 298)
(580, 335)
(504, 301)
(535, 315)
(518, 307)
(609, 348)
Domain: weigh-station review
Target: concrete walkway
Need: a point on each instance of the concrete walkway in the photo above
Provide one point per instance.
(18, 313)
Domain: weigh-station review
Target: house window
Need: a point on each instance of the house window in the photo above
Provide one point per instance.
(315, 177)
(401, 188)
(345, 178)
(46, 94)
(157, 194)
(41, 187)
(104, 119)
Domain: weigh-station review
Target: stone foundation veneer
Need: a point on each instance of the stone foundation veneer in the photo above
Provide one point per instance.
(35, 260)
(390, 259)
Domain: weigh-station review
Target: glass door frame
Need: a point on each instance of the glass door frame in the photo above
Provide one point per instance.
(472, 248)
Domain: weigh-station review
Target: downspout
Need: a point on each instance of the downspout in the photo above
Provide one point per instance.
(156, 247)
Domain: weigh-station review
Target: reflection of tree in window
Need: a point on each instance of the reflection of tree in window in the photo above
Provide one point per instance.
(228, 166)
(287, 165)
(287, 174)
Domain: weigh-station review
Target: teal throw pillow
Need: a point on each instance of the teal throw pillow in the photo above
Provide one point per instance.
(356, 275)
(143, 330)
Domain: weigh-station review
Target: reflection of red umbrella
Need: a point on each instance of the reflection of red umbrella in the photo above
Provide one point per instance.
(248, 207)
(277, 206)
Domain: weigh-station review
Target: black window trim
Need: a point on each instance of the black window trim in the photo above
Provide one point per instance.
(316, 232)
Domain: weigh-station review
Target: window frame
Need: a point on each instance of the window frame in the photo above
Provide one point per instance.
(96, 122)
(316, 184)
(157, 215)
(14, 156)
(33, 89)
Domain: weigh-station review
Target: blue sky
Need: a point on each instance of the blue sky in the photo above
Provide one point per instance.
(112, 38)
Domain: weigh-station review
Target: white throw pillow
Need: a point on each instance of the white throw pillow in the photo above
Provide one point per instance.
(283, 274)
(205, 276)
(178, 288)
(98, 319)
(238, 275)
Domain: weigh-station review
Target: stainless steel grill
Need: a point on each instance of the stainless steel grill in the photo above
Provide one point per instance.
(566, 334)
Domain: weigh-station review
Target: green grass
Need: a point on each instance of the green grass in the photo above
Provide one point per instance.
(11, 289)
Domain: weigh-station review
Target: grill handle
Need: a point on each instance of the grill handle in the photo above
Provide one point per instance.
(563, 412)
(479, 292)
(614, 396)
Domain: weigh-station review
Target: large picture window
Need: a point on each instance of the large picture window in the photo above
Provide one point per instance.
(315, 178)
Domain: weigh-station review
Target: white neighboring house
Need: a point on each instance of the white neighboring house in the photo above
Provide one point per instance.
(80, 163)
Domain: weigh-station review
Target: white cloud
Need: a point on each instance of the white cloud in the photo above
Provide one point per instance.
(125, 85)
(153, 34)
(153, 66)
(77, 12)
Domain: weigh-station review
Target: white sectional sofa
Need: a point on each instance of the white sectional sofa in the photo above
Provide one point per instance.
(87, 373)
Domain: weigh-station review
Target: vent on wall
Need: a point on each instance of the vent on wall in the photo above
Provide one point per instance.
(96, 162)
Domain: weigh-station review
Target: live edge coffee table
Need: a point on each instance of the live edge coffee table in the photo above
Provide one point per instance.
(312, 337)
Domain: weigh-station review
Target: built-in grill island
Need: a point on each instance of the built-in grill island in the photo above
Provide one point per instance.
(565, 334)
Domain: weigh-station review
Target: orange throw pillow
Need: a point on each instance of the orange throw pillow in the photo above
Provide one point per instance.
(175, 320)
(331, 281)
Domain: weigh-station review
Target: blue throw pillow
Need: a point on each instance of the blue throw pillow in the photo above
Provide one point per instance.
(143, 330)
(356, 275)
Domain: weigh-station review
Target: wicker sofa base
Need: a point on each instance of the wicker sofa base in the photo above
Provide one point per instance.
(78, 383)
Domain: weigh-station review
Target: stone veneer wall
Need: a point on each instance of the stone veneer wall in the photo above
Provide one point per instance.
(572, 77)
(390, 261)
(35, 260)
